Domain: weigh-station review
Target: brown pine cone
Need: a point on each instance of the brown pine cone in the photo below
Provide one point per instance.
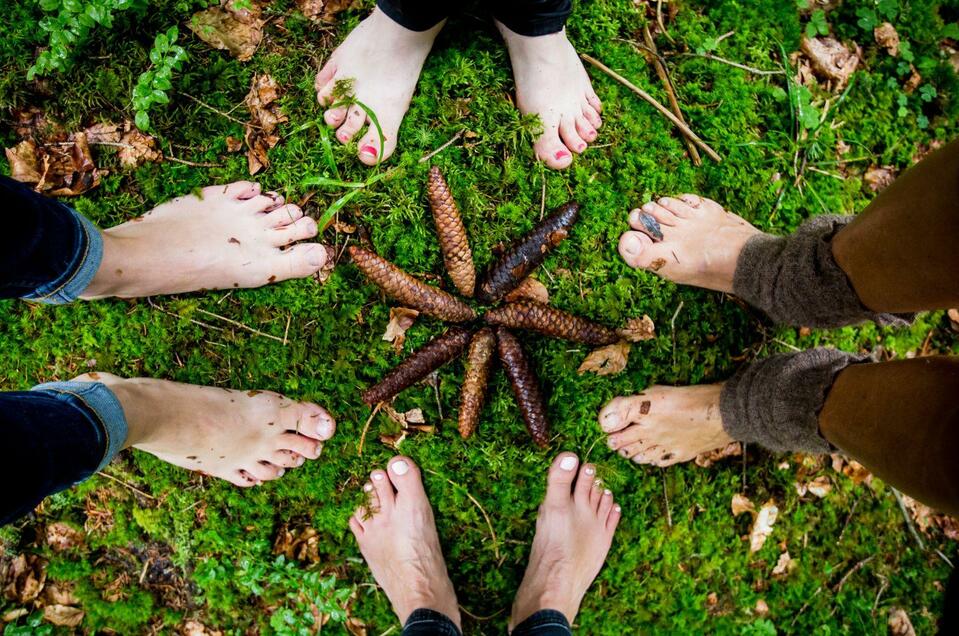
(527, 254)
(419, 364)
(479, 360)
(452, 234)
(527, 314)
(529, 397)
(409, 290)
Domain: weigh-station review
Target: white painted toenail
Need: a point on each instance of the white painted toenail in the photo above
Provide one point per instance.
(325, 427)
(618, 508)
(568, 463)
(611, 443)
(368, 487)
(590, 470)
(400, 467)
(378, 476)
(281, 472)
(607, 492)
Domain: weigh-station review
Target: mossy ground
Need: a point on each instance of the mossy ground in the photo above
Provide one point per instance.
(678, 542)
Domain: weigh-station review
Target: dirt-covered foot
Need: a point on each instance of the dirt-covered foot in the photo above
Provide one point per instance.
(665, 425)
(229, 236)
(574, 530)
(381, 61)
(397, 536)
(552, 83)
(244, 437)
(690, 240)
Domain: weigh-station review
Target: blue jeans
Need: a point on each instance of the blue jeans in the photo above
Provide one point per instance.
(426, 622)
(62, 432)
(526, 17)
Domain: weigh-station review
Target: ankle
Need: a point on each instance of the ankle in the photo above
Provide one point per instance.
(432, 601)
(106, 282)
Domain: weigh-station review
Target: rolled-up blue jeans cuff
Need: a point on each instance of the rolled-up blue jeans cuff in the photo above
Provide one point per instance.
(427, 622)
(83, 266)
(101, 407)
(546, 622)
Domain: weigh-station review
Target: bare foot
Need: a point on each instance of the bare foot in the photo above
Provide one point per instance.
(573, 533)
(243, 437)
(665, 425)
(552, 83)
(397, 536)
(383, 61)
(229, 236)
(690, 240)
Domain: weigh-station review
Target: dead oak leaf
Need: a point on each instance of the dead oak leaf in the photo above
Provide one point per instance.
(740, 504)
(879, 178)
(899, 623)
(831, 59)
(818, 487)
(23, 577)
(953, 315)
(23, 160)
(607, 360)
(705, 460)
(763, 525)
(63, 615)
(196, 628)
(784, 565)
(529, 289)
(638, 329)
(62, 536)
(137, 148)
(887, 37)
(401, 319)
(228, 28)
(265, 116)
(322, 10)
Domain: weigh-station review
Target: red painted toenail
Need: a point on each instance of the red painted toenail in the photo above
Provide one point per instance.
(368, 150)
(561, 154)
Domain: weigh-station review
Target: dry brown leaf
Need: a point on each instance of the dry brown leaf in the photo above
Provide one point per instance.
(265, 116)
(302, 544)
(22, 577)
(54, 594)
(762, 609)
(233, 144)
(953, 319)
(763, 525)
(928, 520)
(899, 623)
(324, 273)
(741, 504)
(784, 565)
(225, 27)
(705, 460)
(818, 487)
(401, 319)
(322, 10)
(355, 626)
(410, 419)
(23, 160)
(137, 149)
(62, 536)
(345, 228)
(879, 178)
(607, 360)
(831, 59)
(887, 38)
(196, 628)
(14, 614)
(911, 84)
(529, 289)
(638, 329)
(104, 133)
(63, 615)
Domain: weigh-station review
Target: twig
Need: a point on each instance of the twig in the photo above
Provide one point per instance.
(945, 558)
(481, 618)
(542, 200)
(449, 143)
(852, 571)
(672, 326)
(240, 325)
(849, 518)
(686, 130)
(195, 164)
(669, 516)
(218, 111)
(489, 523)
(286, 332)
(131, 487)
(667, 81)
(659, 20)
(905, 515)
(722, 37)
(193, 320)
(716, 58)
(366, 427)
(882, 588)
(806, 605)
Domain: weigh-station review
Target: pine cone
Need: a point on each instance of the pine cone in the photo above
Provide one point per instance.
(529, 397)
(527, 314)
(479, 360)
(419, 364)
(527, 254)
(454, 241)
(408, 290)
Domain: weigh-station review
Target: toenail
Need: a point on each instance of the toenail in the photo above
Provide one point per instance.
(368, 487)
(568, 463)
(618, 508)
(368, 150)
(400, 467)
(325, 427)
(590, 470)
(607, 492)
(317, 256)
(561, 154)
(281, 472)
(611, 443)
(582, 147)
(378, 476)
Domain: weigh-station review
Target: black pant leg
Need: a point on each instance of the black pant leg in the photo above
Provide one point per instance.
(415, 15)
(427, 622)
(545, 622)
(533, 17)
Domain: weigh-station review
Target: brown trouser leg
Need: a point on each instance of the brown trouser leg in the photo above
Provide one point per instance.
(900, 419)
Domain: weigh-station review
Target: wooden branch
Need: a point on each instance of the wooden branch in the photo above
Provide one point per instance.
(686, 130)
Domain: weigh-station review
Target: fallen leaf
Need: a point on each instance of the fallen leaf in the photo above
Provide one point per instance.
(345, 228)
(887, 38)
(322, 10)
(831, 59)
(638, 329)
(401, 319)
(705, 460)
(899, 623)
(301, 544)
(54, 594)
(265, 116)
(233, 144)
(784, 565)
(14, 614)
(196, 628)
(741, 504)
(226, 27)
(62, 536)
(22, 577)
(712, 599)
(879, 178)
(529, 289)
(818, 487)
(104, 133)
(63, 615)
(607, 360)
(763, 525)
(911, 84)
(324, 273)
(24, 166)
(762, 609)
(355, 626)
(137, 148)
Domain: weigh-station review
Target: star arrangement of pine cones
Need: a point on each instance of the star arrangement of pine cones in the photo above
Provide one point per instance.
(483, 336)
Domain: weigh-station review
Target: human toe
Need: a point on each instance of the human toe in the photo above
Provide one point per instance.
(551, 150)
(283, 215)
(286, 459)
(301, 229)
(584, 484)
(613, 416)
(300, 444)
(678, 207)
(334, 117)
(569, 135)
(633, 247)
(560, 478)
(405, 475)
(355, 118)
(383, 488)
(592, 117)
(585, 130)
(236, 190)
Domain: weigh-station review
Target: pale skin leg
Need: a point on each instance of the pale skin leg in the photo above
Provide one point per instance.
(230, 236)
(700, 245)
(551, 82)
(246, 438)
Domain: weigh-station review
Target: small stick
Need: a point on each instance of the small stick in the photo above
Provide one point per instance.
(366, 427)
(806, 605)
(716, 58)
(852, 571)
(193, 320)
(905, 515)
(195, 164)
(449, 143)
(882, 588)
(669, 516)
(686, 130)
(123, 483)
(240, 325)
(659, 20)
(286, 332)
(849, 518)
(219, 112)
(542, 201)
(489, 523)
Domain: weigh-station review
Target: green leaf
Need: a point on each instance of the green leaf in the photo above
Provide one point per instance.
(951, 31)
(142, 120)
(160, 97)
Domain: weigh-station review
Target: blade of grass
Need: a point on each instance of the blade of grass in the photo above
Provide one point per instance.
(332, 183)
(337, 205)
(369, 113)
(328, 150)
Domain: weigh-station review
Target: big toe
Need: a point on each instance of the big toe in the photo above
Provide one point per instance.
(405, 475)
(560, 478)
(552, 151)
(634, 247)
(300, 261)
(615, 415)
(371, 151)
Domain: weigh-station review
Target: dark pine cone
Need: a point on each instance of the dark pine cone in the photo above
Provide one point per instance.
(420, 364)
(479, 360)
(527, 254)
(454, 241)
(408, 290)
(529, 397)
(527, 314)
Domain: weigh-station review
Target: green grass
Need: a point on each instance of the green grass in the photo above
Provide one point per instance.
(218, 539)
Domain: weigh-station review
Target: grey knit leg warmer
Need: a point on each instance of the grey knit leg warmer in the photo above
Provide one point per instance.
(796, 281)
(776, 402)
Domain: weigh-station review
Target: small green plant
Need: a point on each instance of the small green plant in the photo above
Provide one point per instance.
(817, 24)
(881, 11)
(152, 86)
